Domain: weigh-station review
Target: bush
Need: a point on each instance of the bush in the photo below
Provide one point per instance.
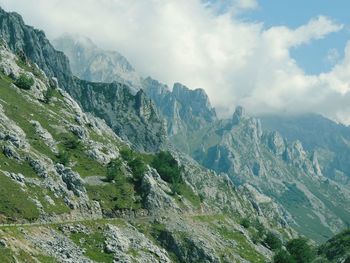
(127, 154)
(138, 168)
(48, 95)
(245, 223)
(283, 256)
(113, 170)
(167, 167)
(272, 241)
(72, 143)
(24, 82)
(300, 250)
(63, 157)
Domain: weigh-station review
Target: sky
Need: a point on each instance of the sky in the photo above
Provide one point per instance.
(270, 56)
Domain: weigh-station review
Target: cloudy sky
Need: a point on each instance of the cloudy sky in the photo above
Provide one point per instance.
(270, 56)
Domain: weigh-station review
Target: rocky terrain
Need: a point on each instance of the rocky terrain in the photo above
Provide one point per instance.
(94, 172)
(328, 139)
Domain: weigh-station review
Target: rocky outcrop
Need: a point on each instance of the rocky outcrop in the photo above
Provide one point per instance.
(133, 117)
(185, 110)
(120, 241)
(157, 192)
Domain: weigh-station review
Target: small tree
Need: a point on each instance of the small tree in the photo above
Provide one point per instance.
(283, 256)
(167, 167)
(272, 241)
(113, 170)
(245, 223)
(63, 157)
(48, 95)
(300, 250)
(138, 168)
(24, 82)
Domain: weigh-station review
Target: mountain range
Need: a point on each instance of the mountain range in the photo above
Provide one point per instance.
(99, 164)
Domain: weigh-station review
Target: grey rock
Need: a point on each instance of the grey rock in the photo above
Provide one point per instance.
(185, 110)
(73, 180)
(3, 243)
(10, 152)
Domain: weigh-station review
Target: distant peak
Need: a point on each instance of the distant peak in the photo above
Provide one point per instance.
(239, 113)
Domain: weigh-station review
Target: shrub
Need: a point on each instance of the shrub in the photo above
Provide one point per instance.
(63, 157)
(113, 170)
(72, 143)
(245, 223)
(24, 82)
(283, 256)
(300, 250)
(127, 154)
(167, 167)
(48, 95)
(138, 168)
(272, 241)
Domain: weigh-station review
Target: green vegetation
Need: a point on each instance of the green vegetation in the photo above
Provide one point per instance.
(170, 171)
(336, 247)
(283, 256)
(272, 241)
(298, 251)
(245, 222)
(220, 224)
(49, 94)
(14, 202)
(93, 244)
(24, 82)
(114, 170)
(6, 255)
(168, 168)
(63, 157)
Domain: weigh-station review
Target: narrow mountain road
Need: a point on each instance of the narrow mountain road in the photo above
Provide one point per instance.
(58, 222)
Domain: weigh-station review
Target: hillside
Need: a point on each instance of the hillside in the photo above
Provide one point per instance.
(72, 190)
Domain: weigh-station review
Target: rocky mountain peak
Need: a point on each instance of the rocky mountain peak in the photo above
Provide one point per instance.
(92, 63)
(238, 114)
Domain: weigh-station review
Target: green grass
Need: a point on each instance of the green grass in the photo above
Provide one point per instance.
(14, 166)
(6, 255)
(94, 246)
(59, 208)
(111, 197)
(14, 203)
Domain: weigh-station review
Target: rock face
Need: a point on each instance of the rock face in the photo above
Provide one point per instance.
(278, 169)
(90, 63)
(32, 44)
(185, 110)
(329, 141)
(133, 117)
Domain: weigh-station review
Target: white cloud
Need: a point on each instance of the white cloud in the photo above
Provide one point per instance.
(236, 62)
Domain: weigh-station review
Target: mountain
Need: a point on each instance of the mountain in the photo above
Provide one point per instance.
(277, 167)
(90, 63)
(182, 108)
(87, 173)
(72, 190)
(32, 44)
(288, 174)
(329, 140)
